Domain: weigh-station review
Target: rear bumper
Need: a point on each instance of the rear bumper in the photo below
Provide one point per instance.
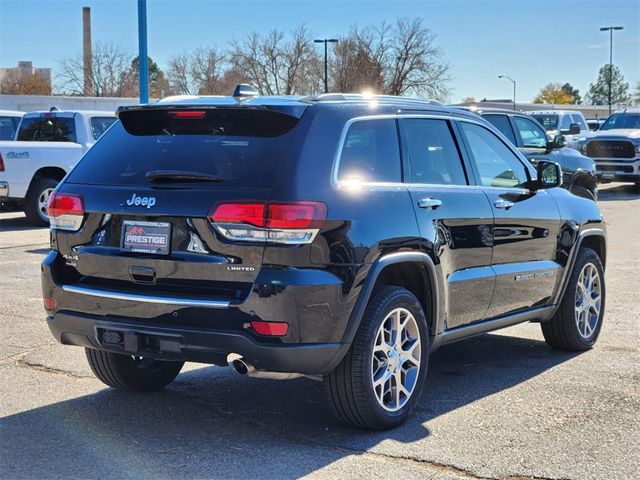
(193, 344)
(311, 302)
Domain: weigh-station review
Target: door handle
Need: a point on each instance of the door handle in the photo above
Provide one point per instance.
(503, 204)
(429, 203)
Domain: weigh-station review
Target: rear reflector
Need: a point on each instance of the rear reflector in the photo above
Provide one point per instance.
(273, 329)
(277, 222)
(188, 114)
(49, 303)
(65, 211)
(1, 164)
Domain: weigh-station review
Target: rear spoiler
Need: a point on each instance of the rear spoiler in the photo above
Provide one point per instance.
(228, 120)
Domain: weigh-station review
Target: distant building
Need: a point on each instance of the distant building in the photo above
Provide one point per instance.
(25, 69)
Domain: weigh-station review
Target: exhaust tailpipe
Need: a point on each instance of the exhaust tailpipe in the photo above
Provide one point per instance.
(245, 368)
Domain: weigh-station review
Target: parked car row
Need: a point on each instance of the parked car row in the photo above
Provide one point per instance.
(46, 146)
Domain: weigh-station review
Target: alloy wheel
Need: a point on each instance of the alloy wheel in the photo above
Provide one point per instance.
(588, 300)
(395, 364)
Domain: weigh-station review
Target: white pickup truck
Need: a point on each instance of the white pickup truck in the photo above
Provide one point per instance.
(46, 146)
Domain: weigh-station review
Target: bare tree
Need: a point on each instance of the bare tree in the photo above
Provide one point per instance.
(357, 63)
(275, 66)
(178, 75)
(414, 62)
(392, 59)
(206, 69)
(109, 62)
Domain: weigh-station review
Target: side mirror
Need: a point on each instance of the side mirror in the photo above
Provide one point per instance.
(549, 174)
(574, 129)
(559, 141)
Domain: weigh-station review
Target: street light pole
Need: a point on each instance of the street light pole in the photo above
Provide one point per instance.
(514, 87)
(610, 29)
(143, 56)
(326, 41)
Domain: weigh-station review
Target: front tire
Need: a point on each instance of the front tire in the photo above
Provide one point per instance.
(134, 374)
(380, 380)
(578, 321)
(35, 203)
(583, 192)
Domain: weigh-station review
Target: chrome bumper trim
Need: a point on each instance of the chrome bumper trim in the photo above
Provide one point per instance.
(132, 297)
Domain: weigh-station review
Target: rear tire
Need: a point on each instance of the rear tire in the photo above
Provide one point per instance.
(583, 192)
(363, 390)
(35, 203)
(577, 323)
(125, 372)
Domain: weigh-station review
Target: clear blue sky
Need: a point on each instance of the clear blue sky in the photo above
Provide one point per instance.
(533, 41)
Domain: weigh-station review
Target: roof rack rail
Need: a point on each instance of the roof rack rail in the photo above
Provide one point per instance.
(351, 97)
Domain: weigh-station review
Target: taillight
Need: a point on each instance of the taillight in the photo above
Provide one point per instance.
(65, 211)
(276, 222)
(1, 164)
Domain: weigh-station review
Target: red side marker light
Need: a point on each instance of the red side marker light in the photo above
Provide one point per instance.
(272, 329)
(49, 303)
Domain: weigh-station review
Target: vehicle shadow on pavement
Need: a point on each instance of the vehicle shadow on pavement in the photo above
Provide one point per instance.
(623, 191)
(17, 223)
(211, 422)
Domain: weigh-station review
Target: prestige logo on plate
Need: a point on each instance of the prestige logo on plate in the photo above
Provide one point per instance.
(146, 237)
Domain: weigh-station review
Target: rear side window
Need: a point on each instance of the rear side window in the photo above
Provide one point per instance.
(99, 125)
(502, 123)
(8, 127)
(371, 152)
(48, 128)
(432, 152)
(241, 147)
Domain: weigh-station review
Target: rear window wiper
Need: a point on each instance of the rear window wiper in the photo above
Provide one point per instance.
(181, 176)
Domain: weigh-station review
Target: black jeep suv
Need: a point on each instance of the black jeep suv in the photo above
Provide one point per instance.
(339, 237)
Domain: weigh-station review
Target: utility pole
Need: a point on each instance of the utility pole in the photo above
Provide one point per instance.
(326, 41)
(610, 29)
(143, 56)
(86, 52)
(514, 87)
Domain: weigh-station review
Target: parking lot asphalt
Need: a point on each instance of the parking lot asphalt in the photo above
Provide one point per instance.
(501, 405)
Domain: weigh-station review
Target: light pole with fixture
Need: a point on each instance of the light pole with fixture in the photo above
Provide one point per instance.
(610, 29)
(326, 41)
(514, 87)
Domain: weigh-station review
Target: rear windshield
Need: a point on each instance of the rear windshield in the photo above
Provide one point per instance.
(549, 122)
(622, 120)
(47, 128)
(242, 148)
